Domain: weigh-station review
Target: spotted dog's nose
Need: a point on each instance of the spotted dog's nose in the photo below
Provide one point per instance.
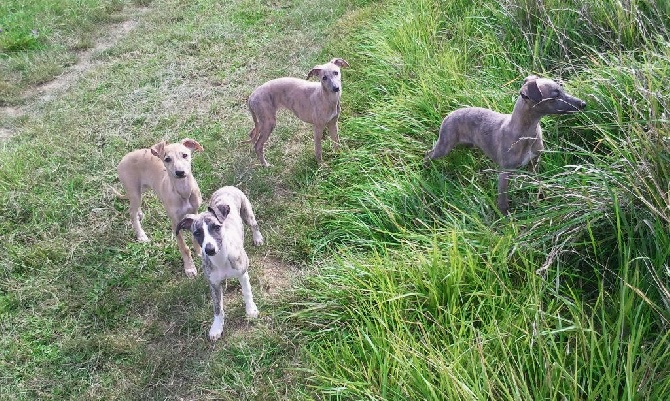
(210, 250)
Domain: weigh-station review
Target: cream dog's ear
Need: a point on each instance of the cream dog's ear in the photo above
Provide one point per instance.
(192, 144)
(158, 150)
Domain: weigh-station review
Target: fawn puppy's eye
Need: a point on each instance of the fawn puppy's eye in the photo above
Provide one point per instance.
(336, 73)
(184, 155)
(168, 159)
(324, 77)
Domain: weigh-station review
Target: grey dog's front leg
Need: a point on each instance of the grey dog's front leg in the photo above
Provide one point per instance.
(503, 199)
(217, 301)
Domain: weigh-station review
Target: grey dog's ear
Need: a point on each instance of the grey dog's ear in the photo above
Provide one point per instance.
(184, 224)
(529, 90)
(220, 211)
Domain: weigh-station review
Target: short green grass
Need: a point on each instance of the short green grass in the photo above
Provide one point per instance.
(381, 278)
(88, 313)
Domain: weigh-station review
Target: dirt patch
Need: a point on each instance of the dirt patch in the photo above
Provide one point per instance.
(86, 60)
(275, 276)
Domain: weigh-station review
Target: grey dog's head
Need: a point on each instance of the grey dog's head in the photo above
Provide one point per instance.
(548, 97)
(329, 74)
(206, 228)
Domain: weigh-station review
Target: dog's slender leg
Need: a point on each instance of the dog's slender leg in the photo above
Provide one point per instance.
(136, 216)
(534, 168)
(247, 214)
(503, 199)
(318, 135)
(189, 267)
(249, 305)
(333, 132)
(263, 131)
(217, 301)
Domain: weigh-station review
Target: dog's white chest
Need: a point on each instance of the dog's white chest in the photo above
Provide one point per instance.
(221, 268)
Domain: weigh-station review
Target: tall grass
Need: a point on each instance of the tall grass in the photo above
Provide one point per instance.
(436, 295)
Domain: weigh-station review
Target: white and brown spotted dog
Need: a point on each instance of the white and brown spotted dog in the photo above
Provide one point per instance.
(220, 233)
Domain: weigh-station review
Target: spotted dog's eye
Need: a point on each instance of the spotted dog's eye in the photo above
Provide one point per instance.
(197, 232)
(215, 228)
(168, 159)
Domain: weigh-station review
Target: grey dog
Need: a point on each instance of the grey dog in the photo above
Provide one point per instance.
(317, 103)
(220, 233)
(510, 140)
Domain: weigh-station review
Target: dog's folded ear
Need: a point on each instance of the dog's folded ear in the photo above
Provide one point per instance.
(314, 72)
(158, 149)
(220, 211)
(529, 90)
(185, 223)
(340, 62)
(192, 144)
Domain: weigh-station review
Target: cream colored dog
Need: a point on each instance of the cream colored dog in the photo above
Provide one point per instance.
(166, 168)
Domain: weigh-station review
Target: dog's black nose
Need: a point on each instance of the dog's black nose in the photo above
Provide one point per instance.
(336, 89)
(209, 250)
(180, 174)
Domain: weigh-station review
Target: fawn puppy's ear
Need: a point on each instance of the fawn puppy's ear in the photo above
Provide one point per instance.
(192, 144)
(158, 150)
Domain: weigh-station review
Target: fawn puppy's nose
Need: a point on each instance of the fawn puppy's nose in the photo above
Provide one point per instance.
(180, 173)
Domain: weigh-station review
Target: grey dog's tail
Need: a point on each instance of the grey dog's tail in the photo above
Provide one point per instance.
(117, 193)
(253, 136)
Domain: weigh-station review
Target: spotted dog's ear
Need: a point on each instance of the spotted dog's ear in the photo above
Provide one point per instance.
(185, 223)
(220, 211)
(529, 90)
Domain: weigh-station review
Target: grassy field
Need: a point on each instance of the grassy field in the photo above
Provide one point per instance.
(381, 278)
